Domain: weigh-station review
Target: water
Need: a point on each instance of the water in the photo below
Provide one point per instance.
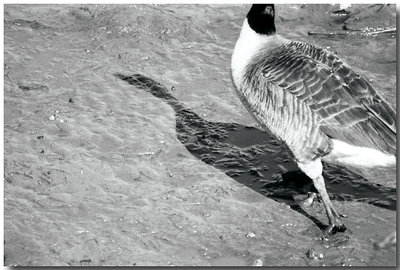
(122, 176)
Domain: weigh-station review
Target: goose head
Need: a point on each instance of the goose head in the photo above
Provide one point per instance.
(261, 18)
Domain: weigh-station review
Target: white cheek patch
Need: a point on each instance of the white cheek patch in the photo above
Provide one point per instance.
(346, 154)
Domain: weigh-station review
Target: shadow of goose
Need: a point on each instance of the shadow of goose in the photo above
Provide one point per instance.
(257, 159)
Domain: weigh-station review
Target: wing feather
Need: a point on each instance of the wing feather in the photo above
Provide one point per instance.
(349, 108)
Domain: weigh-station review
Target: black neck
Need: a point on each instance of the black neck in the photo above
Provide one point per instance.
(261, 18)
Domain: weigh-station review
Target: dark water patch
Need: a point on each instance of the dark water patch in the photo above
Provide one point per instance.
(341, 184)
(257, 159)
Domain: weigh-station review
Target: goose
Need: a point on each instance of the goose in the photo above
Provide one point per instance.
(313, 101)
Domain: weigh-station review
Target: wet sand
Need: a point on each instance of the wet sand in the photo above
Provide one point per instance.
(102, 172)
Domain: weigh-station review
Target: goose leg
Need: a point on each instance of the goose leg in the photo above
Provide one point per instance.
(313, 169)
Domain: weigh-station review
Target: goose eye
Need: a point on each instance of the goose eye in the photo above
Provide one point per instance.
(268, 11)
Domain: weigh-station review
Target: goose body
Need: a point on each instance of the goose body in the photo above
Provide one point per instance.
(312, 100)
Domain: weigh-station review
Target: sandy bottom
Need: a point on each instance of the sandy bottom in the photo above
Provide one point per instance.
(102, 172)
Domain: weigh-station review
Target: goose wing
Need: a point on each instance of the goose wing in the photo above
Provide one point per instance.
(349, 108)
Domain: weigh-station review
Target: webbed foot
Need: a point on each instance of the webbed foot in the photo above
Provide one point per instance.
(334, 228)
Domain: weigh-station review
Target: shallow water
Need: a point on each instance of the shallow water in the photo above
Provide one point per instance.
(122, 176)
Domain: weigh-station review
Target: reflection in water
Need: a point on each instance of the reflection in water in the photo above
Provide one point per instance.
(257, 159)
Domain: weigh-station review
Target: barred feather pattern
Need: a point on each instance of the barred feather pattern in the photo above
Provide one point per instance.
(306, 95)
(285, 116)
